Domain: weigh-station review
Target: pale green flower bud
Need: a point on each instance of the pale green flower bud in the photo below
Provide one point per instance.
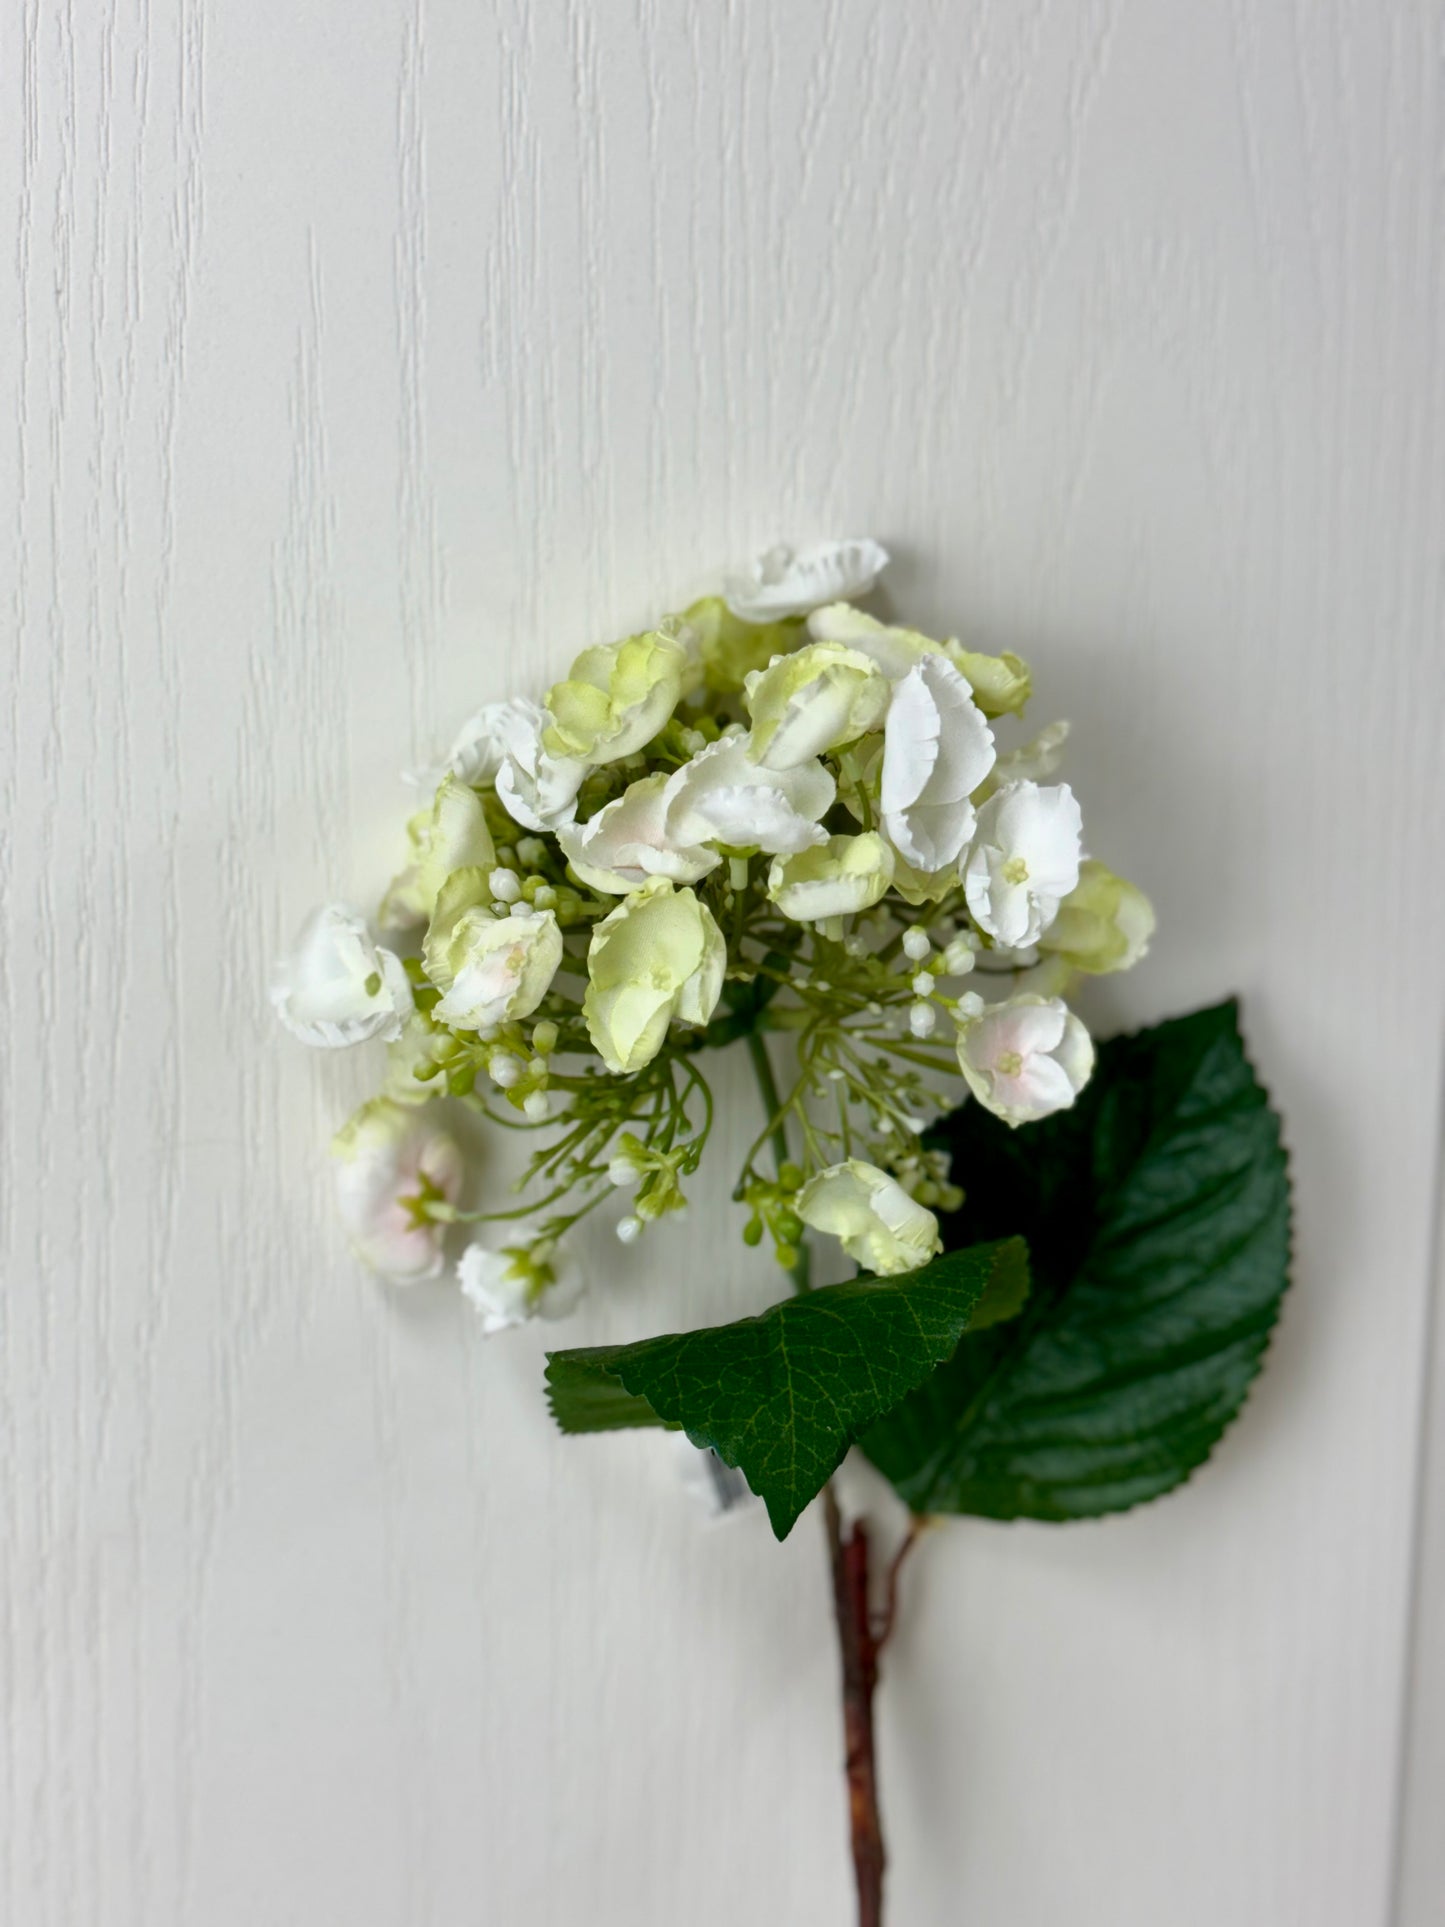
(1104, 924)
(451, 835)
(659, 958)
(731, 649)
(815, 700)
(616, 699)
(835, 879)
(412, 1066)
(1001, 685)
(492, 969)
(872, 1216)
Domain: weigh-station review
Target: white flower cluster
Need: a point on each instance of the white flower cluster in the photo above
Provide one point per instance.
(773, 813)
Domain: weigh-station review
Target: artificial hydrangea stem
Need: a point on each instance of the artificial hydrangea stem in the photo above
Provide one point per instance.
(858, 1639)
(858, 1644)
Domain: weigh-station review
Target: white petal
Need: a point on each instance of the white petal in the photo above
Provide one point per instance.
(723, 796)
(338, 987)
(785, 582)
(937, 749)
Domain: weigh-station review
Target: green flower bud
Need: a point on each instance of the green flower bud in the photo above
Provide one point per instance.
(731, 649)
(833, 879)
(616, 699)
(871, 1215)
(451, 835)
(812, 701)
(492, 969)
(1104, 924)
(659, 958)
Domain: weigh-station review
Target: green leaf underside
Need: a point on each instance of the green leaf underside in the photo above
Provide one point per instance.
(1157, 1213)
(782, 1396)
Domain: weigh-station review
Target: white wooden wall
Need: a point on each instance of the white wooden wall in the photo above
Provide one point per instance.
(361, 359)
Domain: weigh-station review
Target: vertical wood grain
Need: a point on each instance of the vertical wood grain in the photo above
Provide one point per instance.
(361, 362)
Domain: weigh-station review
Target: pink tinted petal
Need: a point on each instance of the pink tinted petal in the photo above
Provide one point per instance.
(1032, 1028)
(1045, 1086)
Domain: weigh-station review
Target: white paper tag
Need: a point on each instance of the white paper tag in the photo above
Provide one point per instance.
(721, 1490)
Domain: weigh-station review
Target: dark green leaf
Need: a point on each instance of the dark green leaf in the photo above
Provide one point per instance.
(784, 1395)
(1157, 1213)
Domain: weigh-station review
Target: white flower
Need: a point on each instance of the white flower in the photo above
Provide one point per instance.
(492, 969)
(838, 878)
(1026, 1058)
(1024, 861)
(480, 745)
(937, 749)
(785, 582)
(390, 1162)
(659, 958)
(529, 1277)
(338, 987)
(807, 703)
(723, 796)
(626, 843)
(872, 1216)
(536, 790)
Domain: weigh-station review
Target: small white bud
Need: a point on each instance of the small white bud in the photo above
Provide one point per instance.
(537, 1107)
(958, 959)
(915, 943)
(629, 1230)
(693, 740)
(522, 909)
(855, 947)
(922, 1019)
(545, 898)
(505, 1069)
(505, 885)
(623, 1173)
(923, 983)
(970, 1004)
(531, 851)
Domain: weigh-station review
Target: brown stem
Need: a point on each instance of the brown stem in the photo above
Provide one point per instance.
(859, 1649)
(884, 1630)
